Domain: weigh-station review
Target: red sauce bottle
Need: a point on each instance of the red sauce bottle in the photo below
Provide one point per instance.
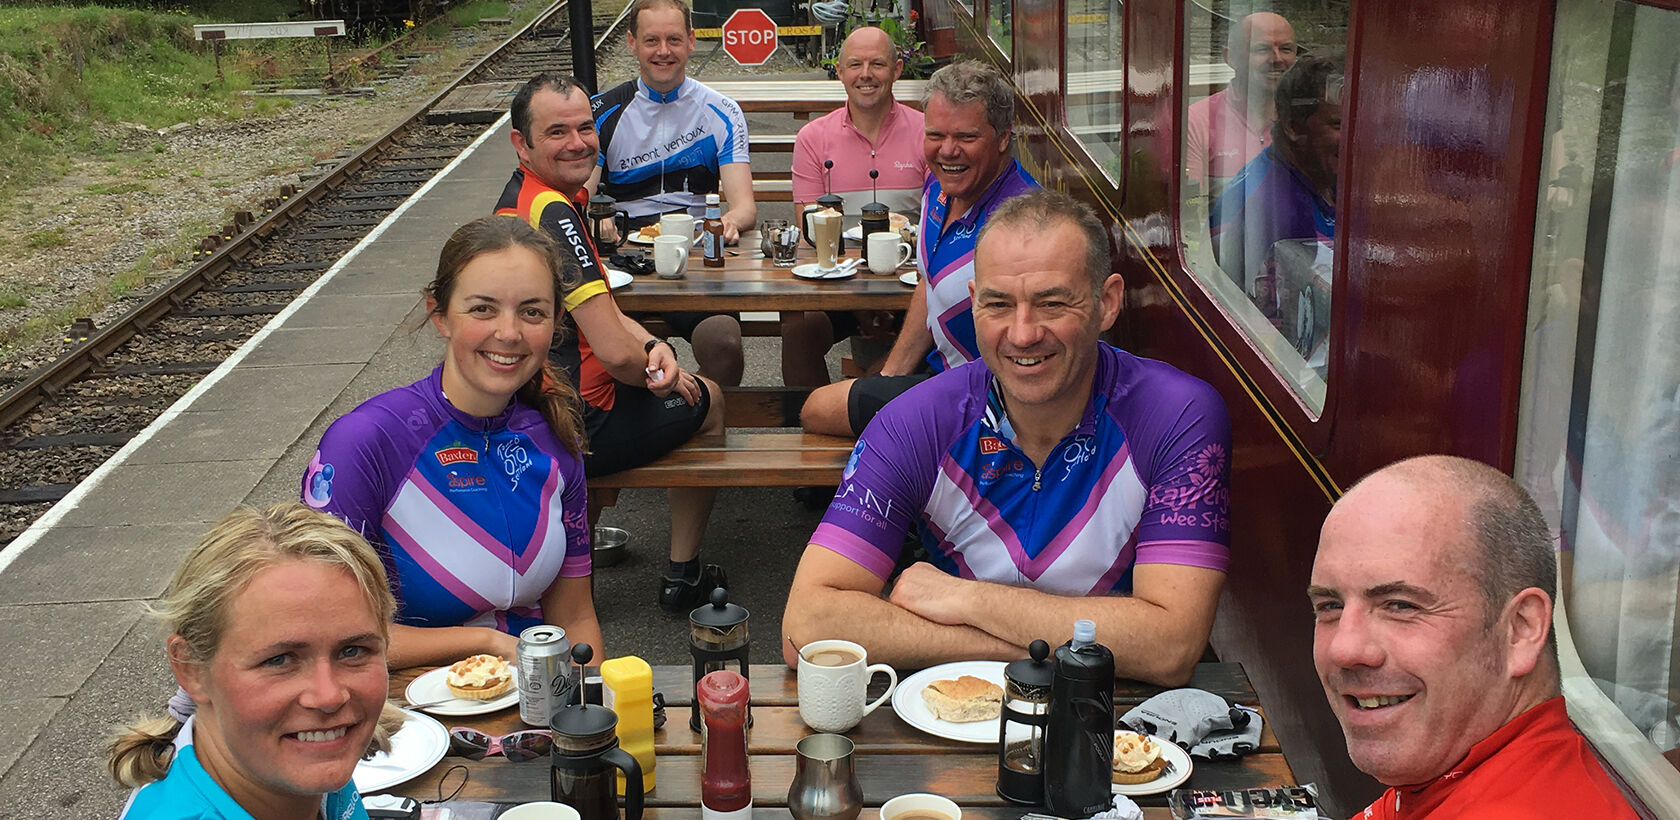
(725, 782)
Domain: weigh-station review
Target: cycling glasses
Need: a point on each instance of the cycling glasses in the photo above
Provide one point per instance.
(517, 747)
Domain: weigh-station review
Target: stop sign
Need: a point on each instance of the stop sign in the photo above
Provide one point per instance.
(749, 36)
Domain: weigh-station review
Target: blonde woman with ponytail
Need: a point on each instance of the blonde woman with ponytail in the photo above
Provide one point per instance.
(470, 482)
(278, 624)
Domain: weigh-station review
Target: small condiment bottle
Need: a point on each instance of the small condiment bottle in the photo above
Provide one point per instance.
(627, 689)
(725, 782)
(711, 237)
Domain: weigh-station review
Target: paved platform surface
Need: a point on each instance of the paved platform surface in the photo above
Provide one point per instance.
(78, 652)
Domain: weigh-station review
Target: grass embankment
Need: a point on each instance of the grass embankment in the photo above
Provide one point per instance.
(76, 81)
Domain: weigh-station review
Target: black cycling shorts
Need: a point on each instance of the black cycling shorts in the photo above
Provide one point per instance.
(871, 393)
(639, 428)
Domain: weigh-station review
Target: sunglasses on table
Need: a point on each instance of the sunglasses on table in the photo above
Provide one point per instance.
(517, 747)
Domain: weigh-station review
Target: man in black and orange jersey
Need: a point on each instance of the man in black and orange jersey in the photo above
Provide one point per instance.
(638, 403)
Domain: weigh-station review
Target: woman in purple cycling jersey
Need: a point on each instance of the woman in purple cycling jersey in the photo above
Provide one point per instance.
(469, 482)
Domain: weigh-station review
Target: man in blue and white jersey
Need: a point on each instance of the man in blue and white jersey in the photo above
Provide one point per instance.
(969, 115)
(1055, 479)
(666, 142)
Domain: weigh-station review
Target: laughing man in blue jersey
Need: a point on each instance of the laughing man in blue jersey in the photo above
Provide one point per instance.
(1056, 478)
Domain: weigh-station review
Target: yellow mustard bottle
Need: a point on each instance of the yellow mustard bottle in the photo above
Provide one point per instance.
(627, 689)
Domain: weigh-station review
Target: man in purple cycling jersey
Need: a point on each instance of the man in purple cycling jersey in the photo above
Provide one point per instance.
(1055, 479)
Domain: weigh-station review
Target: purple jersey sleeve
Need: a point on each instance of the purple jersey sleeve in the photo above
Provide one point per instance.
(575, 502)
(891, 473)
(355, 471)
(1181, 437)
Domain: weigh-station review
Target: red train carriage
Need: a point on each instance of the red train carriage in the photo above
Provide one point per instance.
(1491, 269)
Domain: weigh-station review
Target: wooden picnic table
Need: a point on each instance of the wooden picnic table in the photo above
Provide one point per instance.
(749, 282)
(892, 757)
(803, 97)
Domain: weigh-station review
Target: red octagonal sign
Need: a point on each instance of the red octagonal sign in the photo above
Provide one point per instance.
(749, 36)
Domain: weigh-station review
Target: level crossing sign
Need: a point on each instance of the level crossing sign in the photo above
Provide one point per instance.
(749, 36)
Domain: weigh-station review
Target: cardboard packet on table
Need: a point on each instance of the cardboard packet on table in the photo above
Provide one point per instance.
(1280, 802)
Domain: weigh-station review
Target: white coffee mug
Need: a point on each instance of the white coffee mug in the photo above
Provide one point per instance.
(886, 251)
(833, 678)
(670, 255)
(918, 802)
(677, 225)
(542, 810)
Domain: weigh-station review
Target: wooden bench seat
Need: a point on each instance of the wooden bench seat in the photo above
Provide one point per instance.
(742, 458)
(747, 454)
(774, 143)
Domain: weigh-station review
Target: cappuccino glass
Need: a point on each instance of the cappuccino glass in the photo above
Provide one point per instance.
(670, 255)
(825, 232)
(833, 682)
(886, 251)
(677, 225)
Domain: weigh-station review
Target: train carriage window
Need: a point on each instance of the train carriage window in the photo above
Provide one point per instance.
(1000, 24)
(1599, 426)
(1095, 92)
(1261, 144)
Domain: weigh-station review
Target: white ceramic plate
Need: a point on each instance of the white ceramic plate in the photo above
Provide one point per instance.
(617, 279)
(1181, 767)
(855, 233)
(415, 749)
(811, 271)
(907, 701)
(431, 687)
(910, 279)
(636, 238)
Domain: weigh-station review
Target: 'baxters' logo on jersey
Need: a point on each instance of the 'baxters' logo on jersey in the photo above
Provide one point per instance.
(990, 445)
(456, 455)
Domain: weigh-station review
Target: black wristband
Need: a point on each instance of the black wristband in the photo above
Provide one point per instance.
(648, 347)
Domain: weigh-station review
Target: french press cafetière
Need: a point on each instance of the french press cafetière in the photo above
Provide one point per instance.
(609, 226)
(586, 760)
(1026, 702)
(717, 634)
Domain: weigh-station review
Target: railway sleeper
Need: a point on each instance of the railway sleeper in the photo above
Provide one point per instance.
(167, 369)
(38, 494)
(265, 309)
(106, 439)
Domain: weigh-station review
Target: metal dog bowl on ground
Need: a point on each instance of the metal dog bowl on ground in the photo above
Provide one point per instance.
(611, 544)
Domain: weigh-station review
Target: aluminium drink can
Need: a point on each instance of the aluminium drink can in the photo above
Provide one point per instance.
(545, 673)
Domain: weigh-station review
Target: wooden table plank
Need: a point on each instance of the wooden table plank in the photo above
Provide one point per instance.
(749, 282)
(803, 96)
(892, 758)
(968, 778)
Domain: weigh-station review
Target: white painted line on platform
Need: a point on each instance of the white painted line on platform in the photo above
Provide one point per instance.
(51, 517)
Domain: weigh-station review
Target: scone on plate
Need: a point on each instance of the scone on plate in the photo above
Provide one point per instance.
(898, 221)
(1137, 759)
(650, 230)
(964, 700)
(480, 677)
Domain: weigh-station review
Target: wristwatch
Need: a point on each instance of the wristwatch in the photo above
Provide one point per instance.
(648, 347)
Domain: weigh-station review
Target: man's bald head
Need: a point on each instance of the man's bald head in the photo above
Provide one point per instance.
(867, 40)
(1514, 548)
(1260, 49)
(867, 66)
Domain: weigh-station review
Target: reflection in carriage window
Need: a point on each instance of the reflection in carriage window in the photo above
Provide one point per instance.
(1599, 426)
(999, 24)
(1095, 80)
(1261, 146)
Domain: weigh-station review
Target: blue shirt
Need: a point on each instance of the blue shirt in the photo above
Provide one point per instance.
(661, 152)
(188, 792)
(945, 257)
(1144, 478)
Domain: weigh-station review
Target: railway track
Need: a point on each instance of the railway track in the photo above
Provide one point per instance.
(61, 423)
